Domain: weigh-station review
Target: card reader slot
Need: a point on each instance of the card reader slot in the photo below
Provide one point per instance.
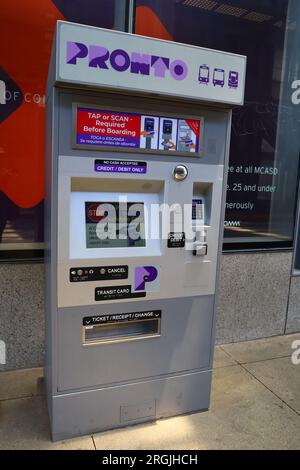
(124, 331)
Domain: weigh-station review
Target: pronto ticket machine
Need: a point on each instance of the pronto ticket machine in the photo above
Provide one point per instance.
(137, 149)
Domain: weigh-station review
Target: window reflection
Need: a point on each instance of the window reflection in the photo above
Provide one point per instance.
(261, 193)
(23, 73)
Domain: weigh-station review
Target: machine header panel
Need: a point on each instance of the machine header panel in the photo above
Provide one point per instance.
(102, 58)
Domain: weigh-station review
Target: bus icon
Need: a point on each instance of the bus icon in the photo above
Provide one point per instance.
(233, 81)
(203, 74)
(219, 77)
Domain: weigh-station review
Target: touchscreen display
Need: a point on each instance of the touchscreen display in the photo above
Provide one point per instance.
(114, 224)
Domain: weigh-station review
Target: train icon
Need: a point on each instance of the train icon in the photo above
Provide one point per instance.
(203, 74)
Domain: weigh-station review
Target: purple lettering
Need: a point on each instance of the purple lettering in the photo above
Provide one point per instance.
(178, 69)
(119, 60)
(75, 50)
(140, 63)
(160, 65)
(98, 57)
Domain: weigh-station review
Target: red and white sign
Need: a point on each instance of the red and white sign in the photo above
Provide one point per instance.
(96, 127)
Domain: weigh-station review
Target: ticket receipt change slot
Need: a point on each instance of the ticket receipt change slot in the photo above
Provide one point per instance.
(136, 162)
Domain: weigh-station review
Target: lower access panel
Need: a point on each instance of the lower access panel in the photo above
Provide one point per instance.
(176, 337)
(88, 412)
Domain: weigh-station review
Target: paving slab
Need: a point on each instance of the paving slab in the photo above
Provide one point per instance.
(262, 349)
(243, 415)
(21, 383)
(222, 359)
(24, 425)
(282, 377)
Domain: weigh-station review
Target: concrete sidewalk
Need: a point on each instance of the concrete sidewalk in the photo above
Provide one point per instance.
(255, 405)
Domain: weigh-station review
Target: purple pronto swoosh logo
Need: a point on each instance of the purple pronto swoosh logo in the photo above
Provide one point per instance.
(143, 275)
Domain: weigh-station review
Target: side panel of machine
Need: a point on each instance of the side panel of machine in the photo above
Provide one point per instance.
(221, 232)
(51, 168)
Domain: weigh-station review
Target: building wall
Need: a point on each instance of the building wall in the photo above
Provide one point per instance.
(293, 317)
(254, 293)
(254, 302)
(22, 314)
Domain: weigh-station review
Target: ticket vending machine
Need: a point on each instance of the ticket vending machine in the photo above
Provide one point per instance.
(136, 161)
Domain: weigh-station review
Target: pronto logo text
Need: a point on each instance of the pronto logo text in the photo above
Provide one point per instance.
(122, 61)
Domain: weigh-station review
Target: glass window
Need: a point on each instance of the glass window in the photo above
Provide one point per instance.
(25, 43)
(264, 151)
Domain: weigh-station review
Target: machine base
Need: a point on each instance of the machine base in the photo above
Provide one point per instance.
(90, 411)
